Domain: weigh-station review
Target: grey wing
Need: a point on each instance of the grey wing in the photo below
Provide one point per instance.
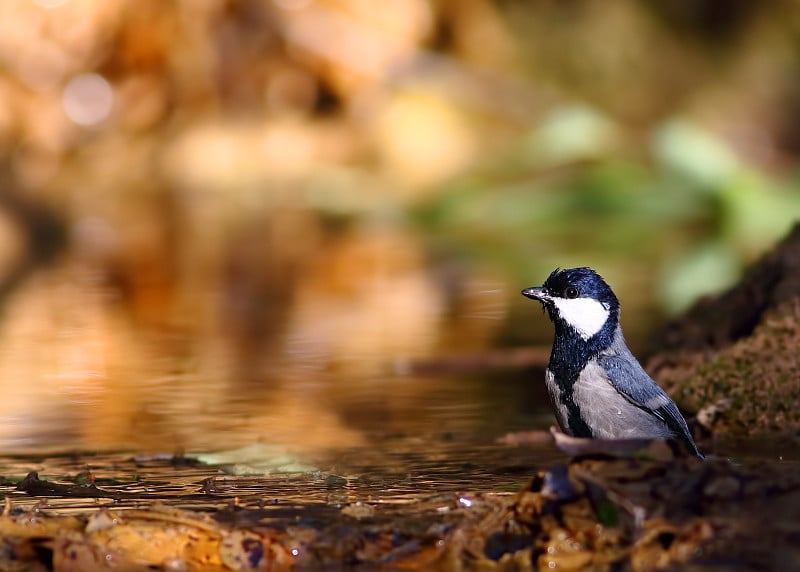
(629, 378)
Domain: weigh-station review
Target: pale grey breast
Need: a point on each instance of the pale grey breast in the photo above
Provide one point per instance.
(608, 413)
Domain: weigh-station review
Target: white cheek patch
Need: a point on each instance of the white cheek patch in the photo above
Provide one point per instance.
(585, 315)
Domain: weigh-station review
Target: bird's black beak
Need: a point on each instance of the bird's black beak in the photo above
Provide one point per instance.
(536, 293)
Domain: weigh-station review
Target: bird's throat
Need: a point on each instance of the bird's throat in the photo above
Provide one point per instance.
(571, 352)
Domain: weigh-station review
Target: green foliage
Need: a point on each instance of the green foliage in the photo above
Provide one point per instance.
(578, 189)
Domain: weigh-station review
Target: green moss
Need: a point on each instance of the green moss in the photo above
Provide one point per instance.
(753, 385)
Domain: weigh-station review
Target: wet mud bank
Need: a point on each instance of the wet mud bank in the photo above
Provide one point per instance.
(733, 359)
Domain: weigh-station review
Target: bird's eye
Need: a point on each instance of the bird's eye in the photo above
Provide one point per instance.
(571, 292)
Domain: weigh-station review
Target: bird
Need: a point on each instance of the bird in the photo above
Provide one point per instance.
(598, 389)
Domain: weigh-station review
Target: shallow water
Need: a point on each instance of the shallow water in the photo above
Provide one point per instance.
(301, 448)
(404, 475)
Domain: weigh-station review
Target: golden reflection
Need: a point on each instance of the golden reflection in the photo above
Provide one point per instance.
(368, 297)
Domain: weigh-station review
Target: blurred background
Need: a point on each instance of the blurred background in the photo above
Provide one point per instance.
(229, 221)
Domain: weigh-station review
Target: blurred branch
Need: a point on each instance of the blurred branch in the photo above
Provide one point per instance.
(359, 49)
(462, 363)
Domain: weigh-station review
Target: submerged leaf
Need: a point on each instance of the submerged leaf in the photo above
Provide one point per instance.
(257, 459)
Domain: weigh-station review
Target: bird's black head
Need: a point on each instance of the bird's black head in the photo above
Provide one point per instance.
(579, 302)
